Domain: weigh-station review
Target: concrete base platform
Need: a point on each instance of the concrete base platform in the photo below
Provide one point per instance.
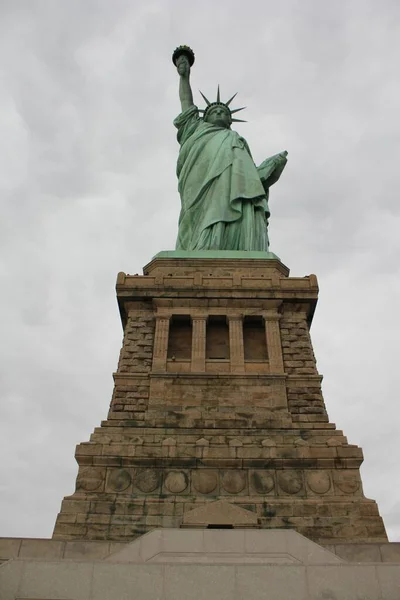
(170, 564)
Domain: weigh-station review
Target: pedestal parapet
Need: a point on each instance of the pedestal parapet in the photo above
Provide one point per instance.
(217, 398)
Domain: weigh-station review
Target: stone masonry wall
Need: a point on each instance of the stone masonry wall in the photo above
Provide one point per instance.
(305, 400)
(131, 392)
(137, 350)
(175, 441)
(298, 355)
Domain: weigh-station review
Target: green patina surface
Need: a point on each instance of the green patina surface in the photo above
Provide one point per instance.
(224, 195)
(215, 254)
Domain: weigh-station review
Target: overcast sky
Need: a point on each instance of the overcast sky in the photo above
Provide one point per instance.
(88, 93)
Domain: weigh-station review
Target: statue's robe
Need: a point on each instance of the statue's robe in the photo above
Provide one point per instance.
(224, 201)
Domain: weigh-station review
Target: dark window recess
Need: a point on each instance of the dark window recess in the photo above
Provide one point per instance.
(254, 341)
(219, 526)
(180, 338)
(217, 338)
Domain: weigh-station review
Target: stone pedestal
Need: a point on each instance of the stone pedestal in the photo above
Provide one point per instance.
(218, 399)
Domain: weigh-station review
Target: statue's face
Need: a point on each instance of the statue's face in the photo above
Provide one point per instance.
(220, 116)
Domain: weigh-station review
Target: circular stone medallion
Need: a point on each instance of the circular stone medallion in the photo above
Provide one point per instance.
(233, 482)
(290, 481)
(147, 480)
(319, 481)
(176, 482)
(90, 479)
(262, 481)
(119, 480)
(346, 482)
(204, 481)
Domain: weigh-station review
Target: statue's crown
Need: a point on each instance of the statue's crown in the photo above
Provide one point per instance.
(218, 102)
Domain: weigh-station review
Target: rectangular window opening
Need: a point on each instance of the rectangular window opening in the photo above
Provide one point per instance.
(180, 338)
(254, 339)
(217, 338)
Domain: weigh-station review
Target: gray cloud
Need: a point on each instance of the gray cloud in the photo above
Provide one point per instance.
(88, 188)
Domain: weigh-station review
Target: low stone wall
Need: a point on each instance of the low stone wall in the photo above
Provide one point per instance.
(198, 564)
(38, 548)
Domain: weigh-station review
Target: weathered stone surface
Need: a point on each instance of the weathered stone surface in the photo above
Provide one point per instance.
(262, 481)
(219, 513)
(290, 481)
(240, 420)
(119, 480)
(176, 481)
(233, 481)
(204, 481)
(319, 481)
(90, 479)
(147, 480)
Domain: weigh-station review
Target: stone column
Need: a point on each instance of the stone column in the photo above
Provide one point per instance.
(274, 346)
(199, 344)
(161, 343)
(236, 343)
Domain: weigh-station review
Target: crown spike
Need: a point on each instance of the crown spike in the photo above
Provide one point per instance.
(205, 99)
(238, 121)
(237, 109)
(230, 100)
(218, 95)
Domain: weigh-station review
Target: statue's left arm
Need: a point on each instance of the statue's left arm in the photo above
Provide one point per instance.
(270, 169)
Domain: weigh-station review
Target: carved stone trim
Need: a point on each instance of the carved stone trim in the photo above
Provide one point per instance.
(199, 343)
(236, 342)
(274, 345)
(161, 343)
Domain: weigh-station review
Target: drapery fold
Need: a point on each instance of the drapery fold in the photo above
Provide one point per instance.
(224, 202)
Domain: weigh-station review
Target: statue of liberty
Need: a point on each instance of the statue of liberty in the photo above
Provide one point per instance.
(224, 195)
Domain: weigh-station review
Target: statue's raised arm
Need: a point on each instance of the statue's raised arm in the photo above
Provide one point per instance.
(183, 59)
